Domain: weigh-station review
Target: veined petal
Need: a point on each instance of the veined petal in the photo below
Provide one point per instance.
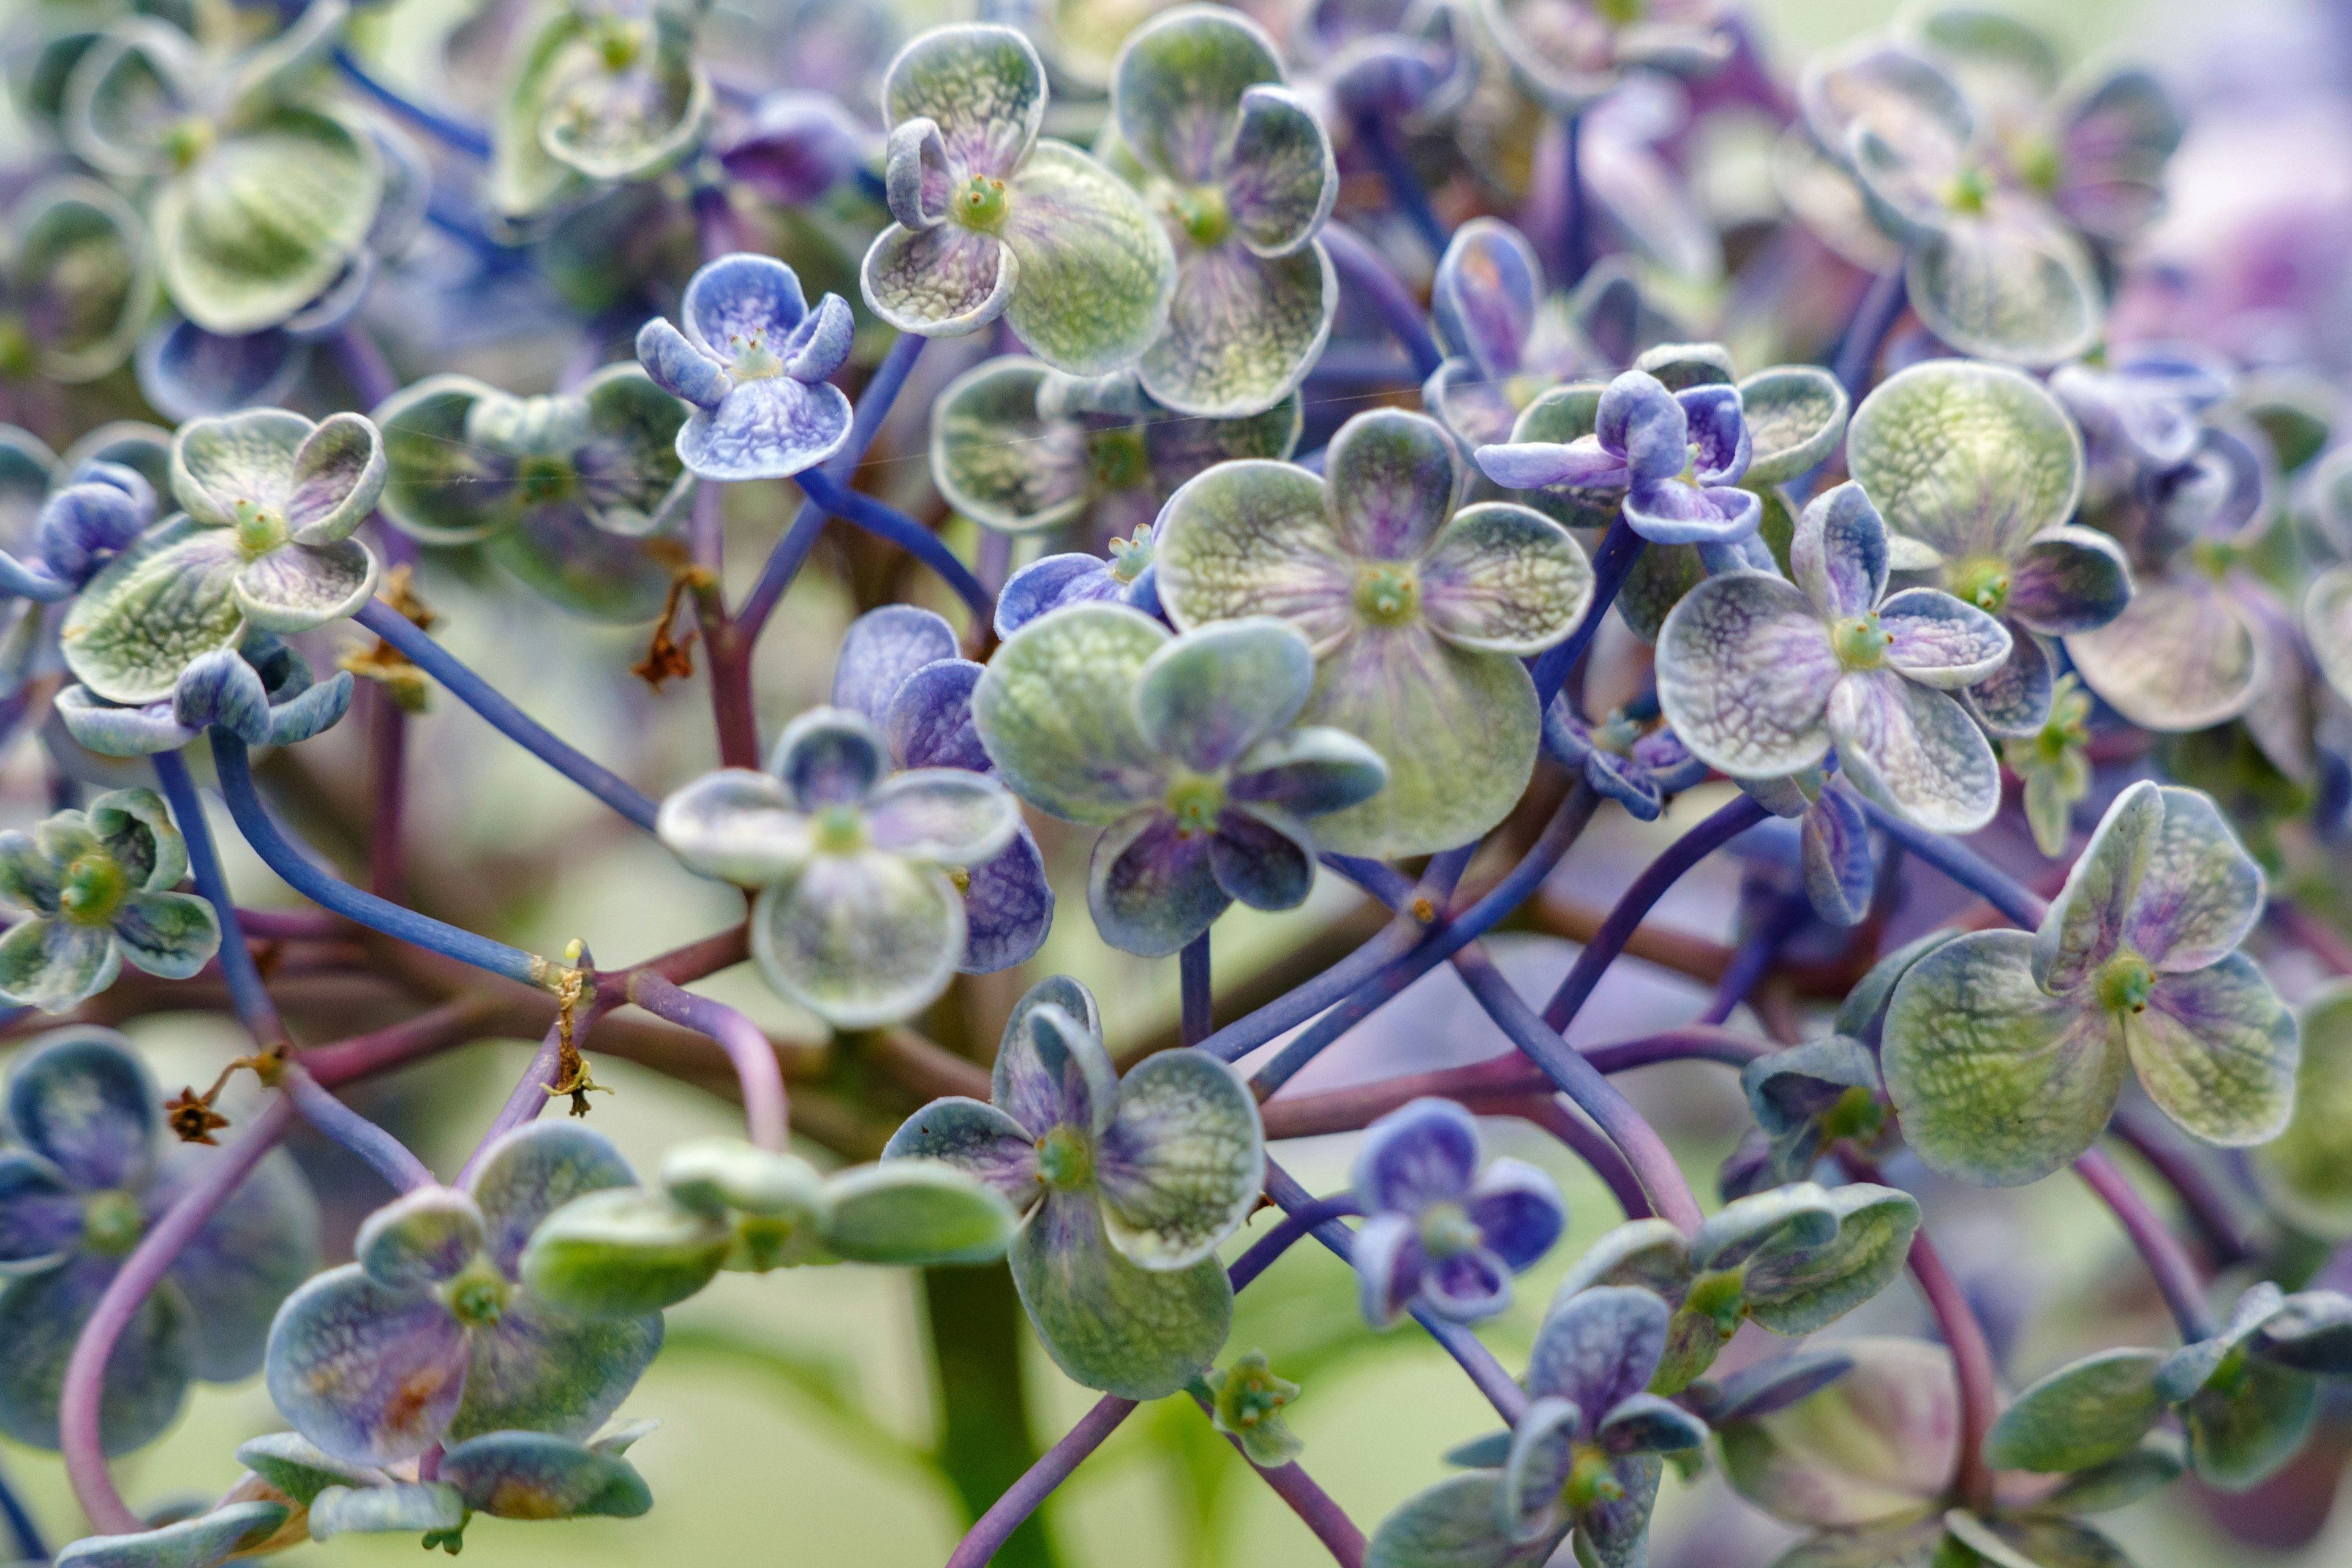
(1745, 675)
(766, 430)
(998, 460)
(1051, 1067)
(1151, 885)
(1262, 856)
(1599, 1346)
(170, 934)
(531, 1171)
(730, 301)
(2013, 701)
(2217, 1050)
(881, 649)
(536, 1475)
(983, 85)
(942, 814)
(83, 1101)
(369, 1372)
(1250, 538)
(1914, 750)
(1096, 266)
(2087, 921)
(679, 367)
(1672, 512)
(943, 282)
(1582, 464)
(623, 1253)
(1056, 710)
(2202, 892)
(1839, 553)
(975, 1137)
(1281, 177)
(929, 721)
(1835, 851)
(2068, 579)
(54, 964)
(1998, 1082)
(421, 1238)
(1971, 459)
(1422, 1153)
(1794, 415)
(1008, 908)
(538, 1370)
(1505, 577)
(1211, 694)
(1242, 329)
(2182, 656)
(1639, 417)
(296, 587)
(860, 938)
(1309, 771)
(338, 472)
(1181, 1166)
(1392, 480)
(1176, 91)
(1106, 1322)
(1940, 642)
(830, 756)
(1488, 286)
(2011, 287)
(157, 606)
(736, 825)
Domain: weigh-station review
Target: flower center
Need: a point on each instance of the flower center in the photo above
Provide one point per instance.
(1981, 581)
(259, 529)
(477, 1298)
(839, 830)
(1860, 644)
(1201, 212)
(1128, 557)
(1118, 462)
(1387, 592)
(2124, 982)
(754, 360)
(91, 889)
(1967, 191)
(1719, 1296)
(1448, 1231)
(1066, 1160)
(1592, 1479)
(619, 41)
(2214, 557)
(187, 141)
(544, 481)
(112, 1222)
(1194, 800)
(1616, 734)
(981, 204)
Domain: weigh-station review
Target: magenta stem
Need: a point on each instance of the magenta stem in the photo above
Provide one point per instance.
(1971, 1365)
(385, 1154)
(85, 1380)
(2216, 1222)
(2177, 1277)
(765, 1109)
(530, 1093)
(1310, 1502)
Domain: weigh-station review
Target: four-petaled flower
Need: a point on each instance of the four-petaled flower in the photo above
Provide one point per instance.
(263, 691)
(2006, 1050)
(1183, 749)
(95, 885)
(1569, 54)
(1245, 1403)
(1126, 1188)
(752, 359)
(858, 918)
(994, 221)
(1630, 757)
(1760, 675)
(429, 1333)
(1418, 615)
(1440, 1232)
(1511, 342)
(80, 526)
(2054, 761)
(272, 500)
(1055, 582)
(84, 1174)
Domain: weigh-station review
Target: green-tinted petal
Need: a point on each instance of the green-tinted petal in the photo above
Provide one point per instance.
(1875, 1445)
(976, 1137)
(1253, 538)
(420, 1238)
(199, 1542)
(1107, 1323)
(84, 277)
(170, 934)
(257, 227)
(2306, 1170)
(2242, 1436)
(1970, 459)
(1457, 728)
(2202, 892)
(1211, 694)
(1242, 329)
(738, 826)
(2327, 623)
(997, 461)
(245, 457)
(632, 122)
(2084, 1414)
(136, 828)
(561, 556)
(1794, 1288)
(1181, 1166)
(2030, 1540)
(1661, 574)
(2155, 1463)
(916, 1210)
(1096, 266)
(158, 605)
(2009, 289)
(297, 587)
(1458, 1523)
(2183, 656)
(1649, 1253)
(1056, 710)
(1997, 1082)
(396, 1508)
(860, 938)
(1282, 177)
(531, 1475)
(2217, 1050)
(1176, 91)
(440, 486)
(983, 85)
(1795, 414)
(1914, 749)
(1745, 675)
(1506, 578)
(1870, 993)
(1799, 1215)
(300, 1467)
(530, 1172)
(2087, 921)
(635, 482)
(54, 964)
(942, 282)
(1394, 478)
(542, 1371)
(524, 177)
(623, 1252)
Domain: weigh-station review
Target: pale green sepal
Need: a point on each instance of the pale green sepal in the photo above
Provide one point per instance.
(1458, 1523)
(1109, 1323)
(915, 1212)
(623, 1252)
(199, 1542)
(155, 607)
(1794, 1288)
(1969, 459)
(2084, 1414)
(300, 1467)
(2025, 293)
(1795, 414)
(1870, 993)
(395, 1508)
(2306, 1170)
(860, 939)
(1096, 268)
(1183, 1166)
(2218, 1050)
(1056, 711)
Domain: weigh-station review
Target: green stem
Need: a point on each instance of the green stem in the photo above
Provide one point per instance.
(985, 1442)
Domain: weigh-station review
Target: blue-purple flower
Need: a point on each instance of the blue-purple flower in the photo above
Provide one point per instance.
(1630, 757)
(262, 691)
(1439, 1231)
(753, 361)
(1050, 582)
(1509, 341)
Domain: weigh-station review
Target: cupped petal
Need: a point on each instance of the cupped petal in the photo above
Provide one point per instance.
(2084, 1414)
(975, 1137)
(1542, 1454)
(538, 1370)
(770, 429)
(943, 282)
(369, 1372)
(1640, 419)
(736, 299)
(421, 1238)
(1177, 88)
(1388, 1262)
(1262, 856)
(82, 1101)
(1583, 464)
(531, 1171)
(1108, 1322)
(1181, 1165)
(2068, 579)
(1970, 459)
(1309, 772)
(1150, 884)
(1001, 463)
(159, 605)
(1794, 1287)
(535, 1475)
(1488, 286)
(1209, 696)
(1393, 479)
(401, 1507)
(212, 1537)
(2182, 656)
(2239, 1436)
(2201, 893)
(2217, 1050)
(338, 473)
(1799, 1214)
(1056, 712)
(297, 587)
(1506, 578)
(830, 756)
(929, 721)
(1424, 1153)
(1008, 908)
(2013, 702)
(917, 187)
(881, 649)
(1717, 442)
(1998, 1082)
(622, 1253)
(984, 87)
(1672, 512)
(1518, 1210)
(1833, 849)
(2012, 287)
(1839, 553)
(859, 938)
(1916, 751)
(2114, 140)
(1794, 415)
(1647, 1424)
(2088, 920)
(1458, 1523)
(1096, 266)
(1938, 641)
(1242, 329)
(1051, 1067)
(1281, 177)
(1745, 675)
(677, 367)
(1251, 537)
(945, 815)
(736, 825)
(28, 879)
(1598, 1346)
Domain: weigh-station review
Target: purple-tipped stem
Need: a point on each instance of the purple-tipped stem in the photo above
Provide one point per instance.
(757, 1073)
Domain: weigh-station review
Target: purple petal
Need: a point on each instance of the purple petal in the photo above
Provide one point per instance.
(2014, 700)
(1839, 554)
(881, 649)
(767, 429)
(1206, 697)
(929, 721)
(976, 1138)
(1583, 463)
(679, 367)
(248, 1258)
(1672, 512)
(1542, 1457)
(1473, 1284)
(40, 1214)
(741, 297)
(82, 526)
(1389, 1261)
(1915, 749)
(1475, 408)
(535, 1170)
(830, 756)
(1049, 583)
(1051, 1069)
(368, 1373)
(819, 345)
(1489, 285)
(1640, 420)
(1719, 437)
(1393, 482)
(537, 1370)
(1519, 1210)
(1150, 886)
(188, 373)
(2069, 580)
(81, 1101)
(1599, 1346)
(1938, 641)
(1835, 850)
(1424, 1153)
(1263, 858)
(1008, 908)
(797, 146)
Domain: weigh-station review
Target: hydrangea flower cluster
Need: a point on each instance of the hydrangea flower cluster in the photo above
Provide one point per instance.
(1396, 487)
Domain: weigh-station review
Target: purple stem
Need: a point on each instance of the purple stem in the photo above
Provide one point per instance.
(362, 360)
(532, 1092)
(85, 1381)
(246, 993)
(2207, 1209)
(1311, 1503)
(1360, 268)
(1612, 563)
(1197, 1000)
(388, 757)
(1406, 193)
(1963, 865)
(1285, 1232)
(1753, 956)
(1727, 824)
(746, 1045)
(1873, 320)
(1021, 1499)
(1574, 246)
(2177, 1277)
(1972, 1367)
(385, 1154)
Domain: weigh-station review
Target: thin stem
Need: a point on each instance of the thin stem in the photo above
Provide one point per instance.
(295, 868)
(84, 1388)
(862, 511)
(31, 1546)
(1873, 320)
(246, 993)
(385, 1154)
(529, 1097)
(388, 768)
(1287, 1232)
(783, 564)
(2207, 1209)
(1361, 270)
(1752, 957)
(2176, 1277)
(1198, 1003)
(1575, 245)
(715, 224)
(1972, 1367)
(745, 1043)
(447, 129)
(1612, 563)
(503, 716)
(981, 1542)
(1313, 1505)
(1587, 1144)
(2017, 902)
(1405, 190)
(1245, 1035)
(1728, 823)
